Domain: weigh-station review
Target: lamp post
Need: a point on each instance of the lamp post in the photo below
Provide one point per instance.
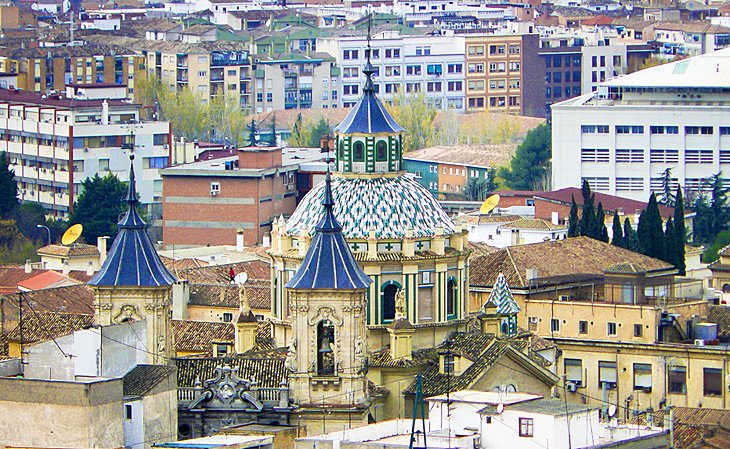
(47, 230)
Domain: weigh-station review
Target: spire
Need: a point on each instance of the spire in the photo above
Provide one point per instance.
(132, 259)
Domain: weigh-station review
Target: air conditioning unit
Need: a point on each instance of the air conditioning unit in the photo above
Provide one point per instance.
(563, 298)
(571, 386)
(699, 342)
(213, 192)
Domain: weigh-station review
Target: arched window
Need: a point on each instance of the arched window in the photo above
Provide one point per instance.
(358, 152)
(325, 351)
(726, 288)
(390, 289)
(452, 297)
(381, 151)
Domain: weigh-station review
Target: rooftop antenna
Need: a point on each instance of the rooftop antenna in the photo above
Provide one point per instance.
(418, 403)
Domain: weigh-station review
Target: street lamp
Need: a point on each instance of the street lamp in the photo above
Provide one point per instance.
(47, 230)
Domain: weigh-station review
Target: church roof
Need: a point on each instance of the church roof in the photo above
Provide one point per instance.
(329, 264)
(501, 298)
(132, 260)
(369, 116)
(388, 205)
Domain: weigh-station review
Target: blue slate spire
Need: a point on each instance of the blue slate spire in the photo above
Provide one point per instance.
(132, 259)
(329, 263)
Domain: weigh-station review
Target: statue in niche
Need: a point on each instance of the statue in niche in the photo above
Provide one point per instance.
(291, 356)
(400, 304)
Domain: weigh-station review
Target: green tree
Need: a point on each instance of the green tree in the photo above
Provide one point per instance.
(316, 131)
(573, 221)
(27, 217)
(670, 240)
(599, 230)
(476, 189)
(711, 253)
(618, 234)
(711, 218)
(650, 231)
(272, 140)
(226, 120)
(300, 134)
(99, 206)
(14, 246)
(414, 113)
(668, 198)
(531, 160)
(631, 238)
(680, 232)
(8, 187)
(587, 225)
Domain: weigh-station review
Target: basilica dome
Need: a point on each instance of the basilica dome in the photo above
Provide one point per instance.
(389, 205)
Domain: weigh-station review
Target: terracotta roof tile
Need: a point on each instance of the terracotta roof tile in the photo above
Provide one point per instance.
(143, 378)
(218, 274)
(43, 326)
(532, 223)
(568, 257)
(268, 372)
(199, 336)
(78, 299)
(75, 250)
(226, 295)
(176, 265)
(383, 359)
(721, 316)
(45, 280)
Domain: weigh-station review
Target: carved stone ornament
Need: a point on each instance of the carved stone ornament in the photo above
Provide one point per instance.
(291, 356)
(325, 313)
(226, 388)
(127, 313)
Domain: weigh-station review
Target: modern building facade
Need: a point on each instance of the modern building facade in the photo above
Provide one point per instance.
(504, 74)
(55, 142)
(622, 137)
(433, 65)
(445, 179)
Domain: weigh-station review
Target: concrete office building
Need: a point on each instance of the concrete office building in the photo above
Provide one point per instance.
(622, 137)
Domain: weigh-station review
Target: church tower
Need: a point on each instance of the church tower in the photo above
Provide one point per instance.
(326, 357)
(134, 285)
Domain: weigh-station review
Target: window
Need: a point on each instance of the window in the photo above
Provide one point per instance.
(350, 89)
(706, 130)
(629, 184)
(413, 70)
(476, 102)
(155, 162)
(127, 411)
(392, 53)
(514, 49)
(349, 54)
(392, 70)
(712, 378)
(476, 68)
(554, 325)
(627, 129)
(698, 156)
(514, 83)
(496, 49)
(103, 164)
(724, 130)
(227, 317)
(664, 156)
(527, 427)
(574, 371)
(454, 68)
(381, 151)
(678, 380)
(597, 183)
(423, 51)
(475, 50)
(594, 155)
(642, 377)
(582, 327)
(496, 67)
(449, 363)
(269, 97)
(434, 69)
(375, 53)
(451, 298)
(475, 85)
(630, 155)
(390, 289)
(349, 72)
(455, 86)
(611, 329)
(607, 374)
(514, 66)
(664, 129)
(433, 86)
(202, 74)
(215, 188)
(358, 152)
(638, 330)
(593, 129)
(325, 356)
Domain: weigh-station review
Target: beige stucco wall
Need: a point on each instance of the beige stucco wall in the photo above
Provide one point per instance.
(59, 414)
(160, 413)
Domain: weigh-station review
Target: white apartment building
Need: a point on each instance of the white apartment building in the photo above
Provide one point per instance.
(430, 64)
(622, 137)
(54, 143)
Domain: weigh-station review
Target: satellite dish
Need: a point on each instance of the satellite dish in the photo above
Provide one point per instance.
(611, 410)
(240, 278)
(72, 234)
(500, 408)
(489, 204)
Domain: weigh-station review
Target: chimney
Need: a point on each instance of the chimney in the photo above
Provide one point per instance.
(180, 299)
(239, 240)
(28, 266)
(101, 246)
(90, 269)
(66, 268)
(556, 217)
(246, 324)
(267, 241)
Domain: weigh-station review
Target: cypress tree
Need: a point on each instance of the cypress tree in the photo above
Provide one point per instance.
(670, 239)
(618, 234)
(573, 230)
(599, 225)
(651, 234)
(631, 239)
(587, 219)
(8, 187)
(680, 232)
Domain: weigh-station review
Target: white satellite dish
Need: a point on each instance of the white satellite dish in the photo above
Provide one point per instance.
(240, 278)
(611, 410)
(500, 408)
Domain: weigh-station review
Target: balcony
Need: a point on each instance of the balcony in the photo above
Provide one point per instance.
(269, 397)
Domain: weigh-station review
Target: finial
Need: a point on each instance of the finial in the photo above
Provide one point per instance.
(131, 197)
(369, 69)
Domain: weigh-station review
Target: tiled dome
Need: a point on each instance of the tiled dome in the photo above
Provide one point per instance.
(388, 205)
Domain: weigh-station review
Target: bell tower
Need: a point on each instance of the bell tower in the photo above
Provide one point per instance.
(133, 284)
(327, 350)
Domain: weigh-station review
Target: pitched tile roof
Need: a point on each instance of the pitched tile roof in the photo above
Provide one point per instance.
(199, 336)
(610, 203)
(537, 224)
(143, 378)
(48, 279)
(75, 250)
(218, 274)
(501, 298)
(226, 295)
(695, 428)
(78, 299)
(567, 257)
(268, 372)
(383, 359)
(721, 316)
(43, 326)
(176, 265)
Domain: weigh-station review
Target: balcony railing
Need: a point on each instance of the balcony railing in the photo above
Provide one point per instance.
(269, 397)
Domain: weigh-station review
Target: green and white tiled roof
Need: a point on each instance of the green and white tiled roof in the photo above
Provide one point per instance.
(502, 298)
(388, 205)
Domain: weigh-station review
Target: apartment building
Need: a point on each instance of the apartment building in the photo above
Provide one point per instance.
(42, 69)
(622, 137)
(54, 143)
(295, 80)
(433, 65)
(209, 69)
(504, 74)
(690, 38)
(442, 178)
